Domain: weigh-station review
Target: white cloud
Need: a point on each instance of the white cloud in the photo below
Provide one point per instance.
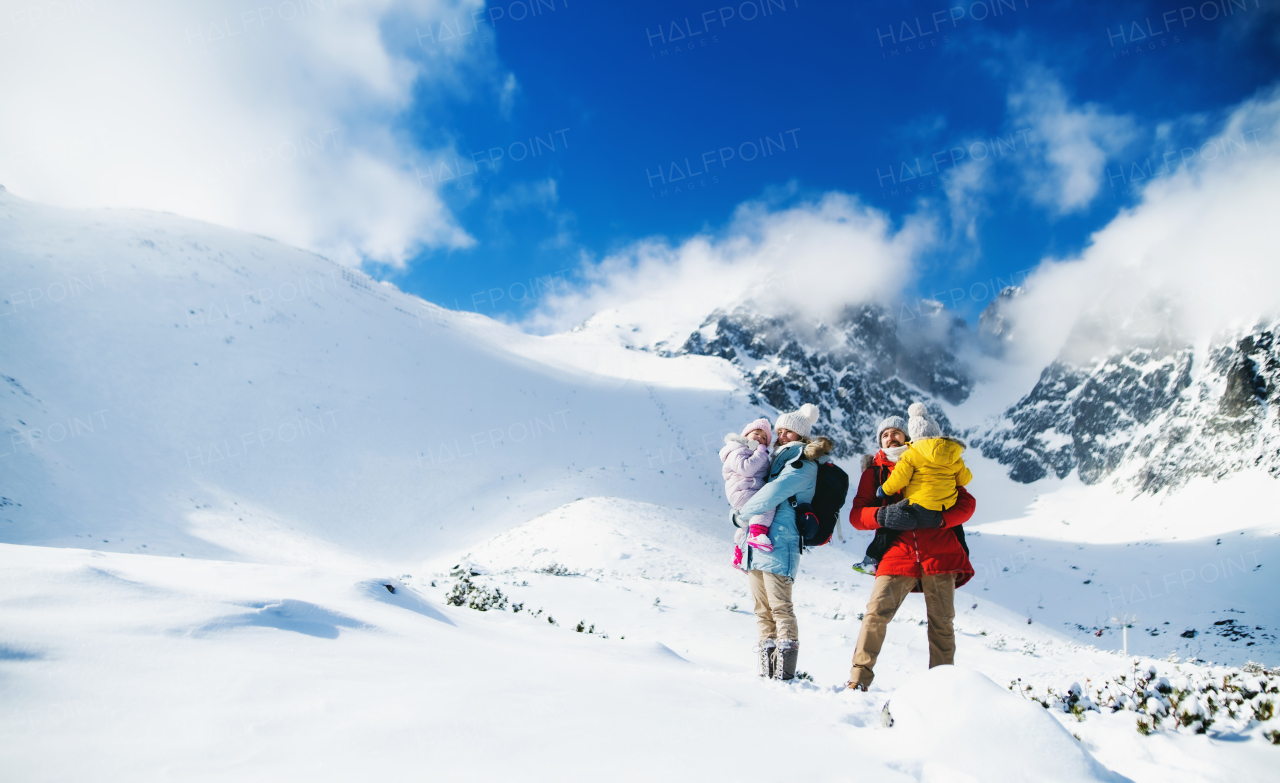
(1195, 256)
(1073, 142)
(269, 117)
(541, 195)
(507, 95)
(965, 187)
(816, 258)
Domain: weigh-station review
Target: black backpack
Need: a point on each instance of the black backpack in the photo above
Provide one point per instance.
(816, 521)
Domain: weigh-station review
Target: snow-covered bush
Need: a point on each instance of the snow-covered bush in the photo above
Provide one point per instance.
(483, 598)
(555, 569)
(1186, 697)
(473, 596)
(582, 627)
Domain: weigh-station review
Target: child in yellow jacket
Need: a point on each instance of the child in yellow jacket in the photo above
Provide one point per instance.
(931, 469)
(927, 475)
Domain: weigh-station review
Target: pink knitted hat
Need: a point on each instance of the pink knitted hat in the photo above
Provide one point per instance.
(759, 424)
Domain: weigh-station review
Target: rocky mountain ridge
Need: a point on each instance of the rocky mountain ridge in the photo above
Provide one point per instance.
(1148, 416)
(858, 368)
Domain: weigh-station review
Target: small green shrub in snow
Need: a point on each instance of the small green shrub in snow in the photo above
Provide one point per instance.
(555, 569)
(473, 596)
(1186, 697)
(483, 598)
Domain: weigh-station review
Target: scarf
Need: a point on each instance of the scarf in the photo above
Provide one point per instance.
(895, 453)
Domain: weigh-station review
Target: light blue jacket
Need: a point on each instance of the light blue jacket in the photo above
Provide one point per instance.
(785, 480)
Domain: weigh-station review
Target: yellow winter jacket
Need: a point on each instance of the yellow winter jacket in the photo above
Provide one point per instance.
(929, 472)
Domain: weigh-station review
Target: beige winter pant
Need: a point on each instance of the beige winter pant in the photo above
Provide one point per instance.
(886, 596)
(774, 615)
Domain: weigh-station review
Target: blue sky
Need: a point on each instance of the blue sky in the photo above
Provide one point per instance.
(539, 167)
(850, 101)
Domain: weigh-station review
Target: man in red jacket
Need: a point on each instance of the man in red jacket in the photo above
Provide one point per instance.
(933, 561)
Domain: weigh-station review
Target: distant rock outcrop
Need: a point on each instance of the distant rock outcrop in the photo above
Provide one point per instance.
(1150, 417)
(865, 365)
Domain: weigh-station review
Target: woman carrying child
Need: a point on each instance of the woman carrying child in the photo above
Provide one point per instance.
(772, 568)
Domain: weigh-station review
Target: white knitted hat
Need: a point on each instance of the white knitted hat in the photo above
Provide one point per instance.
(800, 422)
(920, 425)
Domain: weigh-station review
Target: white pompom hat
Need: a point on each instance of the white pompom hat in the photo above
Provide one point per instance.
(920, 425)
(800, 422)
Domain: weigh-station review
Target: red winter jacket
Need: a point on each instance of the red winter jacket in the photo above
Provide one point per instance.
(916, 552)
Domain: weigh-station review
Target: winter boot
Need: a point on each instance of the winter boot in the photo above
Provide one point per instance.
(785, 657)
(765, 651)
(867, 566)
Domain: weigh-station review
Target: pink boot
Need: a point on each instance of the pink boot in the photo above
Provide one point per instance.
(758, 537)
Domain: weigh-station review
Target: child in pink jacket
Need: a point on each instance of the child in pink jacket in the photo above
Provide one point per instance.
(745, 469)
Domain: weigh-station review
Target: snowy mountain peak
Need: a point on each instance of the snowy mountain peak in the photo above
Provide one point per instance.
(864, 365)
(1150, 417)
(995, 326)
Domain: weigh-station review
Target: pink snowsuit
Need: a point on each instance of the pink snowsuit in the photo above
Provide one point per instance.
(745, 468)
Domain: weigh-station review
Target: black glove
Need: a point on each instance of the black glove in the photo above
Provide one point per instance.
(928, 518)
(908, 516)
(896, 517)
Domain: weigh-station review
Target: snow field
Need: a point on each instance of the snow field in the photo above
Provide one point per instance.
(216, 454)
(203, 669)
(693, 618)
(956, 749)
(156, 668)
(1079, 556)
(253, 401)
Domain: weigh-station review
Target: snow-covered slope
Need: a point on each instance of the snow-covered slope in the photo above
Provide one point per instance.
(623, 631)
(237, 483)
(175, 388)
